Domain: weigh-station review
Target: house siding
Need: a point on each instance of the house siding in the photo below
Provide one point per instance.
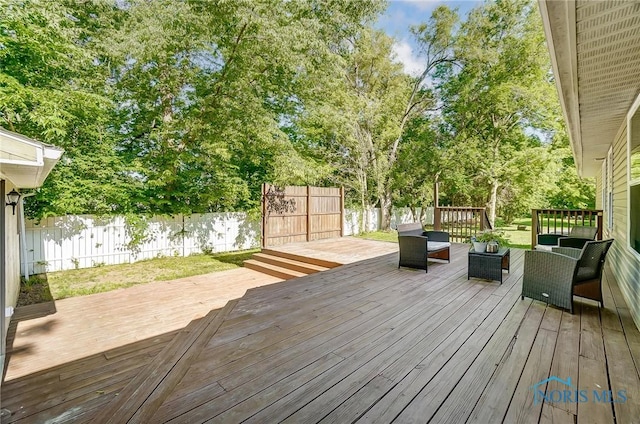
(10, 268)
(599, 191)
(12, 255)
(625, 265)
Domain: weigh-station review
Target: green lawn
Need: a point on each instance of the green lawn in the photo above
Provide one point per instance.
(380, 236)
(78, 282)
(517, 238)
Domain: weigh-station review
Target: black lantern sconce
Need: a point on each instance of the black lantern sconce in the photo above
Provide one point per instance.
(13, 197)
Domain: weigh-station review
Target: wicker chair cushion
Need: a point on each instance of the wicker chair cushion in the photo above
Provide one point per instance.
(545, 247)
(437, 245)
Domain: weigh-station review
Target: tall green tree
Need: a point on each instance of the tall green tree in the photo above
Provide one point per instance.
(207, 89)
(356, 120)
(365, 115)
(498, 98)
(51, 89)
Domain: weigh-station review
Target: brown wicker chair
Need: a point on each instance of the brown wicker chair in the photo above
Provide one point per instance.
(555, 277)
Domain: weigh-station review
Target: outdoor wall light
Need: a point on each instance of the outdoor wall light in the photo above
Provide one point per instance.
(12, 199)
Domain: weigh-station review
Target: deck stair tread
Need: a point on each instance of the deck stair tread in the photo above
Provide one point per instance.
(306, 259)
(296, 265)
(274, 270)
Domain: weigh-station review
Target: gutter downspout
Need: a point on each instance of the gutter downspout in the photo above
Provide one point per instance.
(3, 281)
(23, 237)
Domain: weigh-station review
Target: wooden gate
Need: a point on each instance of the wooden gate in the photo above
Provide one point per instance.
(301, 213)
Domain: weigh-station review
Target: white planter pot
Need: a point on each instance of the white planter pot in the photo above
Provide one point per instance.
(479, 246)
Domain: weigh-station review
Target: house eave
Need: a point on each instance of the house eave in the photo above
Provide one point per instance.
(559, 23)
(596, 63)
(24, 162)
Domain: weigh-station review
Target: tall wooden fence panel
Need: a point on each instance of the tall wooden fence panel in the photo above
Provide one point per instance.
(301, 213)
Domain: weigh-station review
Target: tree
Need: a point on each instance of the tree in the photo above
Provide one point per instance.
(362, 119)
(497, 101)
(421, 160)
(168, 107)
(206, 90)
(355, 121)
(568, 190)
(51, 90)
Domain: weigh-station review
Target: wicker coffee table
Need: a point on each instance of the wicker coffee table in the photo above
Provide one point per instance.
(488, 265)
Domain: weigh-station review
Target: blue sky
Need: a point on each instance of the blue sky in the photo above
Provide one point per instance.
(403, 13)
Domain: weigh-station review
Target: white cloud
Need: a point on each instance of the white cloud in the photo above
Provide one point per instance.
(404, 54)
(421, 4)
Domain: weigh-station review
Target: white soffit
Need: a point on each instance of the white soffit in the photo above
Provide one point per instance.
(24, 162)
(595, 51)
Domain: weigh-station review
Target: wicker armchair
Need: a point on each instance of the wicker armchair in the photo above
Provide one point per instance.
(577, 237)
(555, 277)
(417, 246)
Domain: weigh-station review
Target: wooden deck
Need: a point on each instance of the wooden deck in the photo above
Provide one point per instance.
(364, 342)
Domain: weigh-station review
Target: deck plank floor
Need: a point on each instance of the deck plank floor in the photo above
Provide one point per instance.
(368, 342)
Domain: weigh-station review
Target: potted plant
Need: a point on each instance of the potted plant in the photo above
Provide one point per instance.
(481, 240)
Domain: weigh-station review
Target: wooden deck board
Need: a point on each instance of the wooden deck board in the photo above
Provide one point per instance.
(364, 342)
(592, 367)
(523, 408)
(565, 358)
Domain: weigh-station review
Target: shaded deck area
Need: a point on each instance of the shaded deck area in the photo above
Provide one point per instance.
(364, 342)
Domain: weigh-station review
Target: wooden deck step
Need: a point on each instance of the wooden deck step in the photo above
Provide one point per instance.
(300, 258)
(274, 270)
(300, 266)
(139, 400)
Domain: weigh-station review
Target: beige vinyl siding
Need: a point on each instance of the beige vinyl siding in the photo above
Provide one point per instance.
(599, 191)
(624, 264)
(12, 259)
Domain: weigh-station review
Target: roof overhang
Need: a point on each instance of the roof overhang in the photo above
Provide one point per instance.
(24, 162)
(595, 54)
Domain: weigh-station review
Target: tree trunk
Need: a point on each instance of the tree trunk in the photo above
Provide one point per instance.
(493, 201)
(414, 212)
(364, 221)
(385, 210)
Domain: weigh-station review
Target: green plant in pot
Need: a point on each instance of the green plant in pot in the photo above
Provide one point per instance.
(481, 241)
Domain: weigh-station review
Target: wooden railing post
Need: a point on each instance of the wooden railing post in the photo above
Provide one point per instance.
(534, 227)
(264, 217)
(308, 213)
(437, 219)
(341, 211)
(599, 221)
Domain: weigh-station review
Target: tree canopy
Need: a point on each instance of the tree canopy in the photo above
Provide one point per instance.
(171, 107)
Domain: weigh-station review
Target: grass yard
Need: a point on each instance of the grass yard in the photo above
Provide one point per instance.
(79, 282)
(517, 238)
(380, 236)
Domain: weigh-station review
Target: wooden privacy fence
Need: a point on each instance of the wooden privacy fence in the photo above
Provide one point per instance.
(560, 221)
(461, 222)
(301, 213)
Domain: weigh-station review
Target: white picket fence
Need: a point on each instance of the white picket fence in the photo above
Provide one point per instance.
(85, 241)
